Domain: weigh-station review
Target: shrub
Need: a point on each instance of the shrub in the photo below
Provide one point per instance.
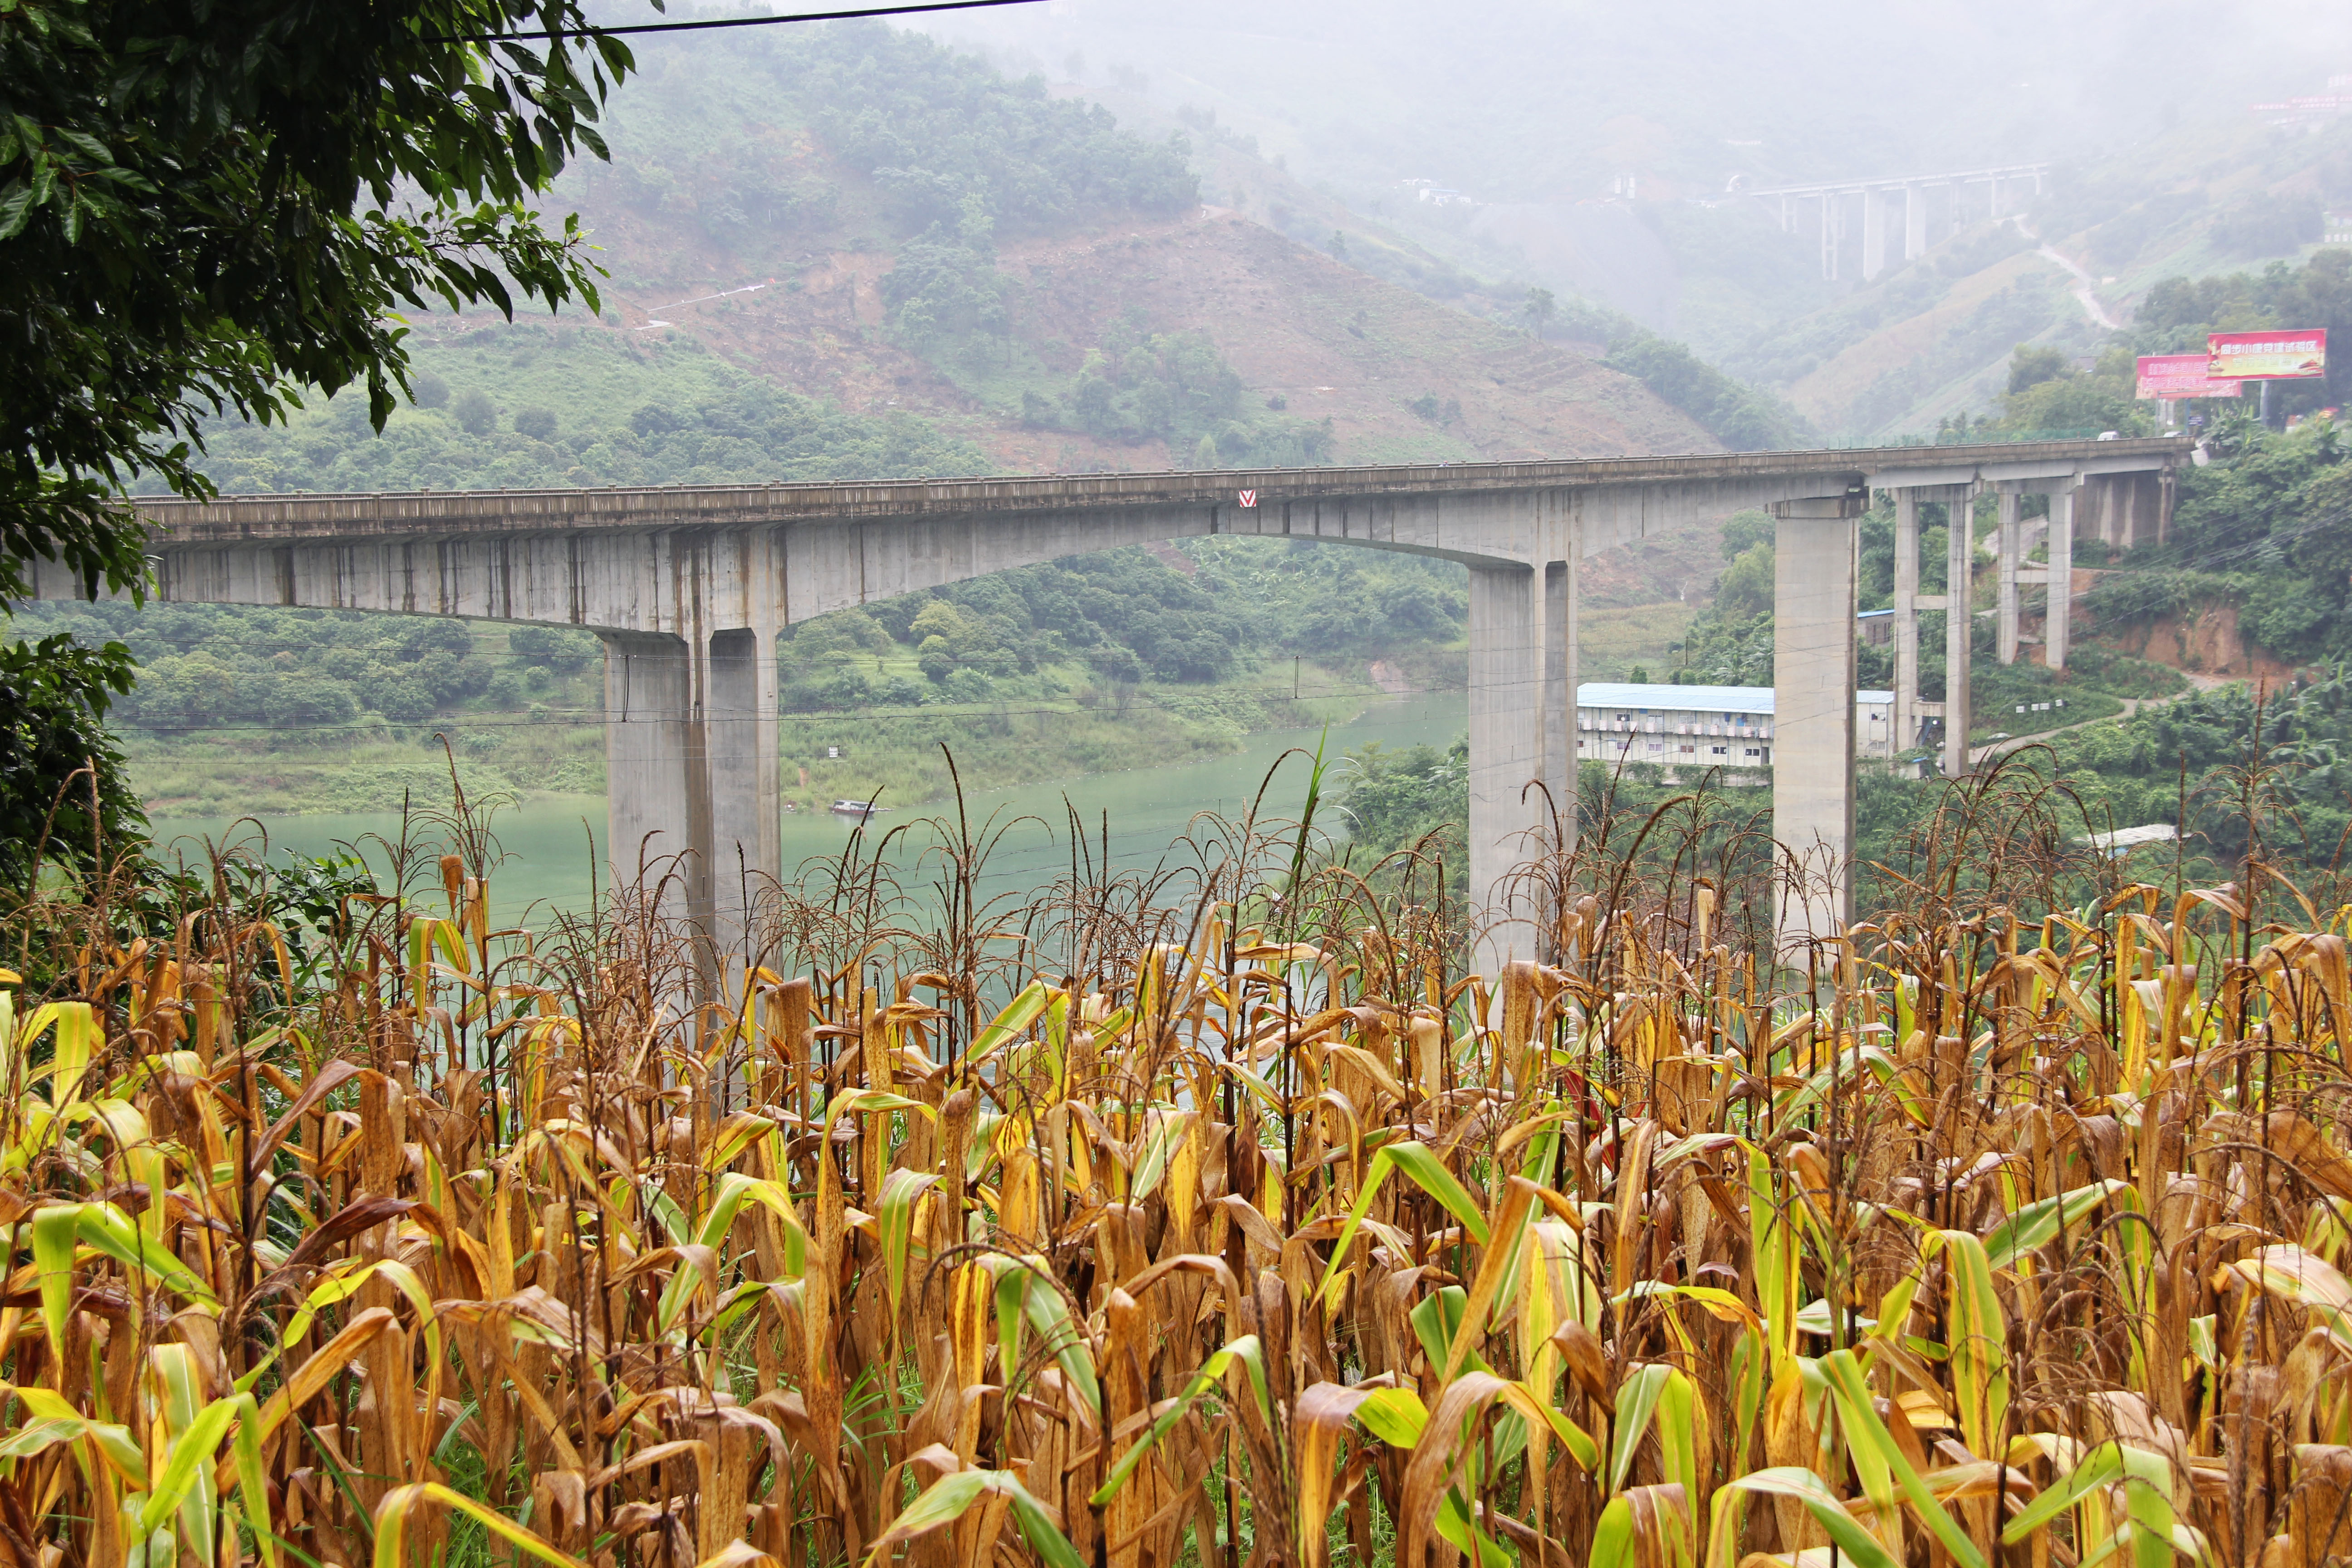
(403, 699)
(475, 413)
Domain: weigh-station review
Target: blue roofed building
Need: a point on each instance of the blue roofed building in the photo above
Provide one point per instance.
(1681, 728)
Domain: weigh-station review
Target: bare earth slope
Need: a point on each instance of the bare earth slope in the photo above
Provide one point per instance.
(1331, 341)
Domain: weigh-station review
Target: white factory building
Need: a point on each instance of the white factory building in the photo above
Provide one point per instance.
(1682, 727)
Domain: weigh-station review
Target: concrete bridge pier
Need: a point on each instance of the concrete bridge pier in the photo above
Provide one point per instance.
(2012, 535)
(2060, 595)
(1906, 621)
(1959, 568)
(1522, 712)
(2056, 577)
(692, 770)
(1815, 554)
(2125, 510)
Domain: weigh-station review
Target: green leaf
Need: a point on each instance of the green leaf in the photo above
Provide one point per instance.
(36, 1436)
(2037, 1225)
(1843, 1375)
(1021, 1290)
(895, 1221)
(1395, 1415)
(2096, 1468)
(1980, 1342)
(54, 1231)
(1213, 1372)
(1612, 1537)
(191, 1452)
(1849, 1533)
(252, 1482)
(1019, 1014)
(947, 1500)
(1637, 1399)
(1430, 1175)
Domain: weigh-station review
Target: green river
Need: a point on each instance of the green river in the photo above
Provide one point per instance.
(547, 841)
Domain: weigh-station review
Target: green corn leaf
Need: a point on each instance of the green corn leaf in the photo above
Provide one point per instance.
(1844, 1373)
(252, 1481)
(55, 1232)
(1612, 1537)
(1019, 1014)
(2037, 1225)
(108, 1230)
(1022, 1294)
(1851, 1535)
(1213, 1372)
(401, 1503)
(187, 1474)
(1637, 1399)
(1980, 1342)
(1428, 1172)
(1394, 1416)
(895, 1219)
(2097, 1468)
(947, 1499)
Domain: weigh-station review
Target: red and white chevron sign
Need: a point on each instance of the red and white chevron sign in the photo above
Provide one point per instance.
(1249, 498)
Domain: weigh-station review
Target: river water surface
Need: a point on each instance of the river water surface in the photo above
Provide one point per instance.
(555, 845)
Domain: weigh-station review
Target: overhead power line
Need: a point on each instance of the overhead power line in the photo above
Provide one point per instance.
(554, 33)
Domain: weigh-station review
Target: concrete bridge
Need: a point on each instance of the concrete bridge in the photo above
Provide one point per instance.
(689, 586)
(1879, 197)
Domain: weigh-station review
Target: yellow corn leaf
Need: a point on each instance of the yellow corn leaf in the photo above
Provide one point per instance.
(402, 1503)
(2305, 1278)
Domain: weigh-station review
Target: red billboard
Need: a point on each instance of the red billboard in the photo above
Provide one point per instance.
(2175, 376)
(2285, 355)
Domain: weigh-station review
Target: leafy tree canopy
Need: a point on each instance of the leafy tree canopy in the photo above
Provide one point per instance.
(203, 205)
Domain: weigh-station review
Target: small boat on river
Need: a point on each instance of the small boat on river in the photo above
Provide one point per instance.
(856, 810)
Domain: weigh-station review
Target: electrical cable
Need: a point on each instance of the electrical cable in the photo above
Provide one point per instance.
(559, 34)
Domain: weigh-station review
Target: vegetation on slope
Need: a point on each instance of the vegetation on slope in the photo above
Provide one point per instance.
(534, 406)
(1120, 659)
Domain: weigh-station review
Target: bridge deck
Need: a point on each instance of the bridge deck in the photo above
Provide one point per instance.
(263, 518)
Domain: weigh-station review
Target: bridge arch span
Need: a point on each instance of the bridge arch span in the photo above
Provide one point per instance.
(693, 584)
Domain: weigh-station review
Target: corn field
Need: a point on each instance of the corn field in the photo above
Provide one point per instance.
(1218, 1217)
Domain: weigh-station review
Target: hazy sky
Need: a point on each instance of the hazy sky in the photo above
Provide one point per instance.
(1520, 100)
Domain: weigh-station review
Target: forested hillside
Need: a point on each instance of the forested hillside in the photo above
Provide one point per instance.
(846, 252)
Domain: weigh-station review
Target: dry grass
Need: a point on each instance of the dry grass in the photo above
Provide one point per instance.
(1216, 1219)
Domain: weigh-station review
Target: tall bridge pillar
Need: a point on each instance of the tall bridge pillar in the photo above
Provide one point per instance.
(2013, 554)
(1522, 702)
(1874, 232)
(1960, 570)
(1906, 621)
(2059, 597)
(1812, 715)
(692, 770)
